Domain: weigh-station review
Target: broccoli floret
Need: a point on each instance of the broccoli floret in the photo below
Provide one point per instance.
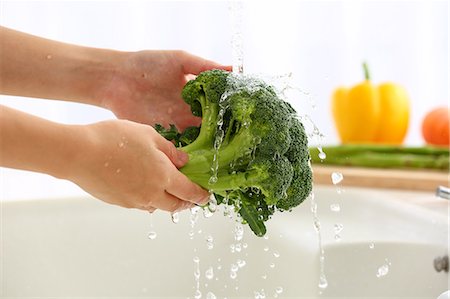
(259, 146)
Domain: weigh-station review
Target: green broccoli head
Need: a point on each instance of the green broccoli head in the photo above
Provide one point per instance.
(298, 156)
(258, 145)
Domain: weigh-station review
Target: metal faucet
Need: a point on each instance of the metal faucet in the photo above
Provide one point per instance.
(441, 263)
(443, 192)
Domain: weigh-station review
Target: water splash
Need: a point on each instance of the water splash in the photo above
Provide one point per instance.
(336, 178)
(323, 283)
(209, 274)
(278, 292)
(212, 204)
(322, 154)
(383, 270)
(237, 45)
(198, 293)
(210, 295)
(151, 234)
(335, 207)
(175, 216)
(209, 242)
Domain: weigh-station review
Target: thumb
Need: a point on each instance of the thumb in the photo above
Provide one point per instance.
(195, 65)
(177, 157)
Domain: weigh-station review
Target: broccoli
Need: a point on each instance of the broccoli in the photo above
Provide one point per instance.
(250, 150)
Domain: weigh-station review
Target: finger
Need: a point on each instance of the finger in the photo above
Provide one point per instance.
(170, 203)
(195, 65)
(177, 157)
(182, 187)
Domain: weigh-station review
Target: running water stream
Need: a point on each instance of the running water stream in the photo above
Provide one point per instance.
(239, 81)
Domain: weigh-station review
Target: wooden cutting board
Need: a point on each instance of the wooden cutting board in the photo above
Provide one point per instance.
(423, 180)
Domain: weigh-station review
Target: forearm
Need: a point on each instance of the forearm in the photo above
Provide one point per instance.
(36, 67)
(30, 143)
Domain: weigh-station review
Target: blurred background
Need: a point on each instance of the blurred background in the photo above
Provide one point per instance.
(321, 44)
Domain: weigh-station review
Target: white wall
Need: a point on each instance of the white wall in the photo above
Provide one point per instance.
(322, 43)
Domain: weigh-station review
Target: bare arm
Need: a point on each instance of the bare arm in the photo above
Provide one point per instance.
(142, 86)
(37, 67)
(119, 162)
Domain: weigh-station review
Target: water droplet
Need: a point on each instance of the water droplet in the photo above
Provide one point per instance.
(209, 242)
(241, 263)
(233, 275)
(266, 249)
(276, 254)
(197, 274)
(335, 207)
(196, 259)
(121, 144)
(197, 294)
(322, 155)
(260, 295)
(338, 227)
(175, 217)
(371, 245)
(207, 213)
(152, 235)
(323, 283)
(383, 270)
(337, 238)
(279, 290)
(106, 164)
(213, 180)
(49, 57)
(234, 267)
(118, 170)
(144, 75)
(210, 295)
(272, 265)
(209, 274)
(212, 204)
(264, 276)
(238, 232)
(336, 177)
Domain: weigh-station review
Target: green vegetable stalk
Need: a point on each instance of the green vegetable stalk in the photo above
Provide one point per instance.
(384, 156)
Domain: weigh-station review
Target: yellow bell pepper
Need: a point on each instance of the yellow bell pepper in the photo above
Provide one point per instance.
(367, 113)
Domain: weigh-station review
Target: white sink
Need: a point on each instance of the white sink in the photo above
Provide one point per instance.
(83, 248)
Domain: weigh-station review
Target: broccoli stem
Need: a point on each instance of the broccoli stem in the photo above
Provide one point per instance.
(200, 161)
(226, 180)
(208, 127)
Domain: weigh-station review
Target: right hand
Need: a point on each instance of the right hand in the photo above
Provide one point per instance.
(131, 165)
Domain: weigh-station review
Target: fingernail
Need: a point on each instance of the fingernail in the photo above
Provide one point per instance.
(205, 200)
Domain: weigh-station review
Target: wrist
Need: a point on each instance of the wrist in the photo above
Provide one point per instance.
(70, 152)
(99, 68)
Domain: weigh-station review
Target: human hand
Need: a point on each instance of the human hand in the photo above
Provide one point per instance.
(131, 165)
(147, 85)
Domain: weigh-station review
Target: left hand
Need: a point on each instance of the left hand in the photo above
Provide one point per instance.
(146, 87)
